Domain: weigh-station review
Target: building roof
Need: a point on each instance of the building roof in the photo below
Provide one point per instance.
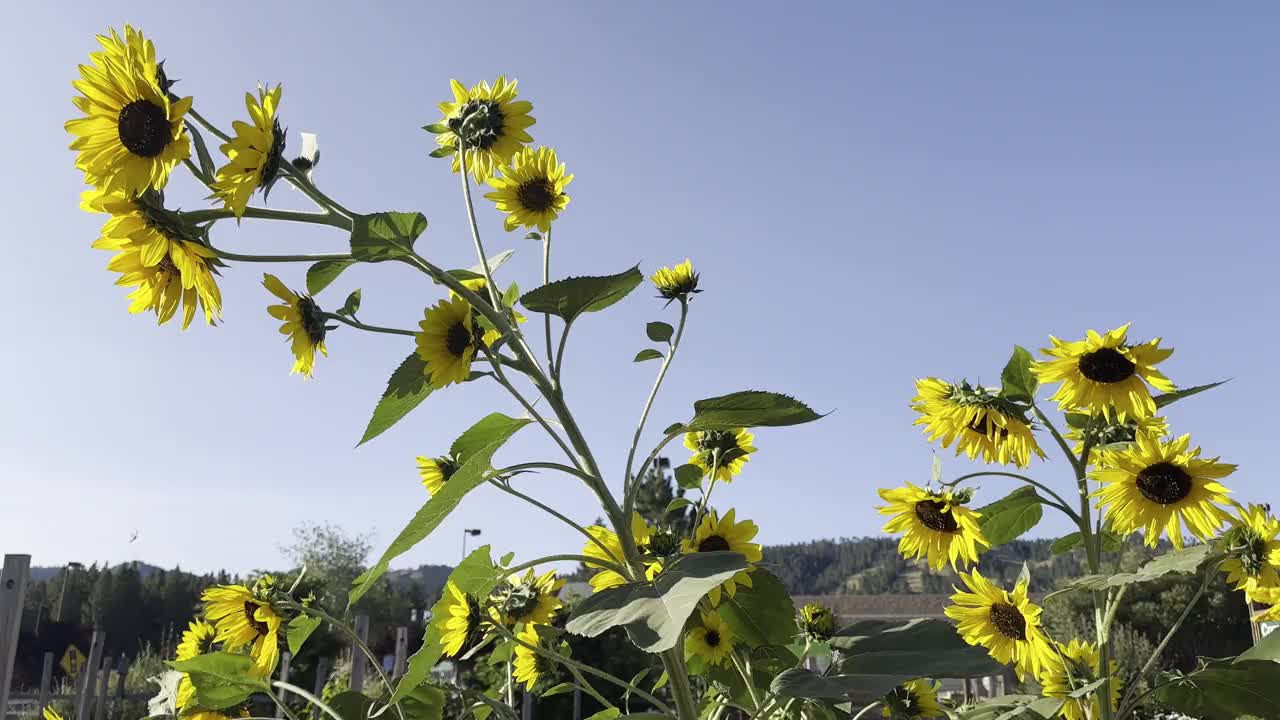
(881, 606)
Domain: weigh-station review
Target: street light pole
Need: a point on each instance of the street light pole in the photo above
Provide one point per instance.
(467, 532)
(62, 592)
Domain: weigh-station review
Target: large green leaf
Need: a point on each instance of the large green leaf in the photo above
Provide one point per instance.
(654, 613)
(476, 575)
(1225, 690)
(351, 705)
(299, 629)
(923, 647)
(385, 235)
(324, 272)
(659, 331)
(1110, 543)
(474, 450)
(221, 679)
(1169, 398)
(803, 683)
(762, 614)
(425, 702)
(1009, 517)
(1268, 648)
(749, 408)
(1017, 382)
(1187, 560)
(569, 298)
(1007, 707)
(408, 387)
(689, 476)
(475, 272)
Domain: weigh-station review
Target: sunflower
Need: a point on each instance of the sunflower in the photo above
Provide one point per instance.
(816, 622)
(480, 287)
(435, 472)
(977, 420)
(1155, 485)
(447, 342)
(303, 324)
(529, 666)
(711, 640)
(1253, 553)
(253, 154)
(606, 578)
(50, 714)
(676, 282)
(937, 526)
(491, 120)
(529, 599)
(530, 189)
(1074, 665)
(197, 640)
(913, 699)
(1109, 433)
(720, 534)
(724, 450)
(1105, 374)
(459, 623)
(243, 618)
(132, 133)
(1006, 623)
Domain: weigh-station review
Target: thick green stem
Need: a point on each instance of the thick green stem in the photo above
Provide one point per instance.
(546, 317)
(355, 638)
(225, 255)
(678, 676)
(1127, 702)
(1061, 503)
(630, 482)
(257, 213)
(305, 696)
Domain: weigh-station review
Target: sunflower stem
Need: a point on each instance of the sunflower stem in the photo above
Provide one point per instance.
(588, 688)
(1062, 504)
(559, 516)
(208, 125)
(362, 326)
(475, 227)
(355, 638)
(324, 707)
(867, 709)
(678, 676)
(630, 483)
(744, 670)
(225, 255)
(557, 558)
(546, 317)
(299, 180)
(325, 218)
(1126, 702)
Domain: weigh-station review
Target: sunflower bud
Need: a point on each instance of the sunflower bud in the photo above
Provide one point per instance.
(676, 282)
(817, 622)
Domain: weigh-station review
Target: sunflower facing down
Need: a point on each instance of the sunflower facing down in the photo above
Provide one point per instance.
(184, 276)
(1006, 623)
(303, 325)
(977, 420)
(529, 666)
(435, 472)
(716, 534)
(1072, 666)
(459, 623)
(1104, 374)
(1155, 485)
(606, 578)
(490, 120)
(676, 282)
(711, 640)
(243, 618)
(935, 526)
(529, 599)
(132, 133)
(480, 287)
(530, 189)
(197, 640)
(1253, 553)
(253, 154)
(725, 451)
(446, 342)
(1108, 433)
(913, 699)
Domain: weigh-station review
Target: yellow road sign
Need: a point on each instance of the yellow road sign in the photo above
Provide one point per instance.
(72, 660)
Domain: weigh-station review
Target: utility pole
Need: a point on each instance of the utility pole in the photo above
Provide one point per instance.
(468, 532)
(62, 592)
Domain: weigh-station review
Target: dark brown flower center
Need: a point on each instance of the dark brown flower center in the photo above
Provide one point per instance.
(481, 123)
(1009, 621)
(981, 427)
(312, 321)
(713, 638)
(258, 626)
(714, 543)
(458, 339)
(144, 128)
(537, 195)
(1107, 365)
(1164, 483)
(724, 442)
(934, 515)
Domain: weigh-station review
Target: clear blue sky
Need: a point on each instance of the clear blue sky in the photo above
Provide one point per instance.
(873, 192)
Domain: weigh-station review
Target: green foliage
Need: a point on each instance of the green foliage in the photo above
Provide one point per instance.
(408, 387)
(1110, 542)
(659, 331)
(749, 408)
(648, 354)
(1017, 382)
(299, 629)
(1008, 707)
(221, 679)
(352, 304)
(927, 646)
(324, 272)
(1170, 398)
(475, 272)
(1187, 560)
(569, 298)
(1224, 690)
(1011, 516)
(207, 168)
(385, 235)
(762, 614)
(659, 503)
(689, 477)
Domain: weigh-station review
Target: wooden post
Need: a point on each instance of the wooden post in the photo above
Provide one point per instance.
(13, 590)
(322, 676)
(104, 690)
(281, 694)
(84, 693)
(122, 670)
(402, 652)
(46, 682)
(577, 703)
(357, 655)
(526, 705)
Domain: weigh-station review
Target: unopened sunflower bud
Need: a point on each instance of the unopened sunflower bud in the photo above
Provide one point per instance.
(817, 622)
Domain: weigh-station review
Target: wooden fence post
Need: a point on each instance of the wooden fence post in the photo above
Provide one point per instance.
(322, 676)
(526, 705)
(283, 696)
(104, 690)
(13, 590)
(577, 703)
(402, 652)
(357, 655)
(84, 694)
(46, 682)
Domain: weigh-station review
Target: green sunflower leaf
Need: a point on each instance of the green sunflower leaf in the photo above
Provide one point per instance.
(689, 477)
(1186, 560)
(436, 128)
(562, 688)
(1010, 517)
(659, 331)
(475, 272)
(443, 151)
(648, 354)
(202, 152)
(408, 387)
(1224, 690)
(324, 272)
(674, 428)
(762, 614)
(749, 408)
(607, 714)
(1017, 382)
(1110, 543)
(352, 305)
(299, 629)
(654, 613)
(221, 679)
(678, 504)
(923, 647)
(351, 705)
(569, 298)
(1009, 707)
(1079, 421)
(385, 235)
(1170, 398)
(475, 449)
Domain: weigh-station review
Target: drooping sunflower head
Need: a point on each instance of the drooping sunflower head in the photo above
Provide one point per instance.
(606, 546)
(1006, 623)
(254, 154)
(936, 526)
(1253, 553)
(197, 639)
(303, 324)
(1105, 373)
(711, 640)
(530, 189)
(528, 599)
(489, 121)
(977, 420)
(720, 534)
(244, 617)
(816, 622)
(132, 132)
(480, 287)
(529, 666)
(723, 452)
(460, 623)
(913, 699)
(1156, 485)
(679, 281)
(1071, 666)
(435, 472)
(1103, 432)
(447, 342)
